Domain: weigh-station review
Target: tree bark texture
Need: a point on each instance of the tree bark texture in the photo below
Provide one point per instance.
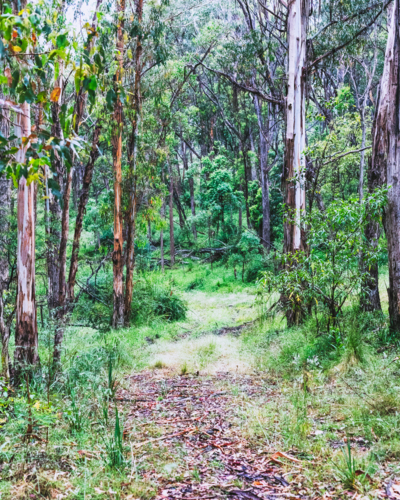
(26, 334)
(264, 173)
(386, 159)
(118, 312)
(295, 141)
(295, 126)
(191, 187)
(87, 180)
(130, 244)
(55, 215)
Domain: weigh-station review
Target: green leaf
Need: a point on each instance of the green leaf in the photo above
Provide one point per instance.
(111, 98)
(15, 79)
(62, 41)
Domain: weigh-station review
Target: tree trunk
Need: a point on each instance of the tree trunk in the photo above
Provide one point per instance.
(171, 217)
(386, 159)
(55, 215)
(370, 298)
(79, 108)
(26, 334)
(87, 179)
(5, 205)
(294, 166)
(191, 187)
(162, 231)
(130, 248)
(118, 313)
(264, 171)
(246, 186)
(295, 127)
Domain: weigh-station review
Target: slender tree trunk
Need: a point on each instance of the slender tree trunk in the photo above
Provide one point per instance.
(162, 231)
(370, 298)
(386, 159)
(84, 197)
(191, 186)
(294, 167)
(295, 126)
(118, 314)
(5, 206)
(79, 108)
(264, 147)
(26, 334)
(246, 186)
(171, 217)
(252, 162)
(55, 215)
(130, 247)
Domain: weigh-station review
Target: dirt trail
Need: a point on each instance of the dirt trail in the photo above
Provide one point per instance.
(190, 426)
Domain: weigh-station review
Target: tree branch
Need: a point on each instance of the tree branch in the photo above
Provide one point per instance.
(251, 90)
(348, 42)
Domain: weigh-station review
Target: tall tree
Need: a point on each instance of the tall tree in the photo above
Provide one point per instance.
(133, 153)
(294, 169)
(118, 121)
(386, 158)
(26, 333)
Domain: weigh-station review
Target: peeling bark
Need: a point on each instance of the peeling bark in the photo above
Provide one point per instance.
(264, 172)
(386, 158)
(116, 139)
(294, 167)
(133, 150)
(26, 334)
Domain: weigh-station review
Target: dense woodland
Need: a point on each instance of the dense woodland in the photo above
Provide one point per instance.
(157, 149)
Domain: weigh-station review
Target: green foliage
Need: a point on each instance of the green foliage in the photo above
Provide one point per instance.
(114, 444)
(221, 196)
(352, 472)
(328, 274)
(151, 298)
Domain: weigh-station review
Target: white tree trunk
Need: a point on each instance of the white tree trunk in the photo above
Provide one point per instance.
(295, 123)
(26, 338)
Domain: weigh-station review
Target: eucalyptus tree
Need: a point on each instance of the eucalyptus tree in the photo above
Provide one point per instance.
(385, 157)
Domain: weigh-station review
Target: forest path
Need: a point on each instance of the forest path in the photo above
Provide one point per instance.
(203, 423)
(193, 437)
(207, 342)
(192, 419)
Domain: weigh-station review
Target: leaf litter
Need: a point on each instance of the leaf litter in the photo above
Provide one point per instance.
(203, 419)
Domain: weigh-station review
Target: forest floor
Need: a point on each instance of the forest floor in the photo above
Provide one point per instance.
(203, 421)
(204, 418)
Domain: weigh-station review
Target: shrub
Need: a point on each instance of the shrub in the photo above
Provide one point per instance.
(328, 274)
(169, 305)
(254, 269)
(153, 299)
